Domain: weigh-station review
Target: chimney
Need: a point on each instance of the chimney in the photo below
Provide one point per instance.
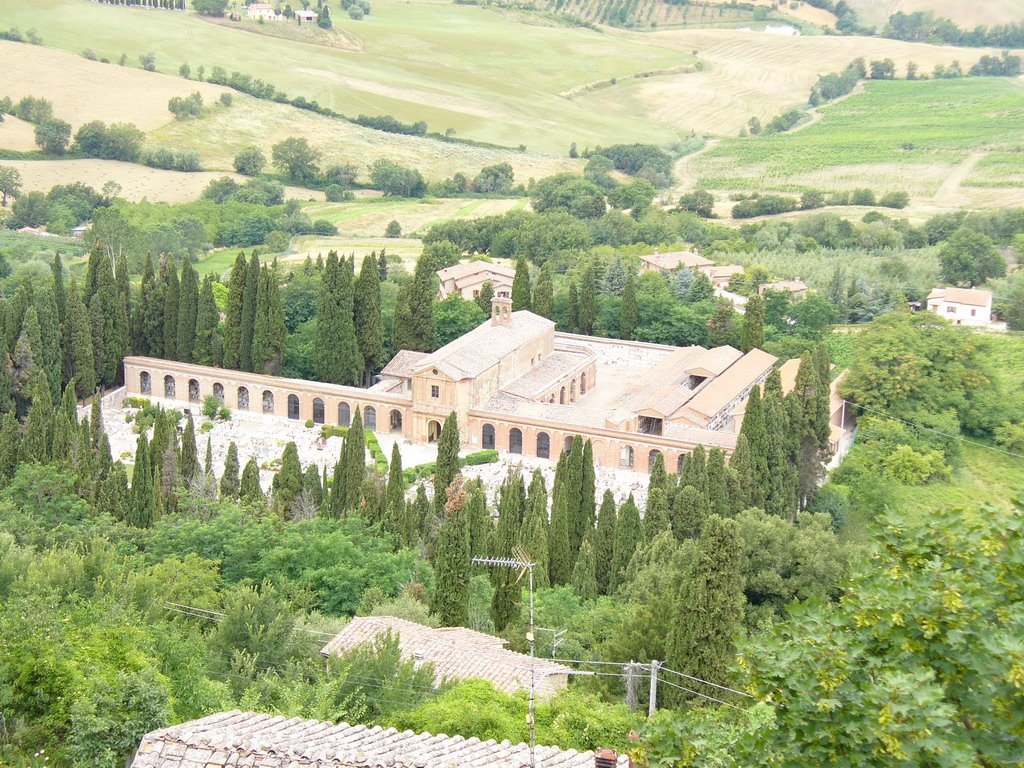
(417, 659)
(605, 758)
(501, 311)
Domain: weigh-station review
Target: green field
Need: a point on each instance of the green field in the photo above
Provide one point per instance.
(894, 135)
(486, 74)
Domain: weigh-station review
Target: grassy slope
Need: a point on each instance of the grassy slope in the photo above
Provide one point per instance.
(966, 14)
(480, 72)
(860, 140)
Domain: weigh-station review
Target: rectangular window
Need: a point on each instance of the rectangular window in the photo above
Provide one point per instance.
(435, 391)
(974, 312)
(950, 310)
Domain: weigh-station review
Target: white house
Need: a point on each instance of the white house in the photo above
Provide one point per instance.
(307, 16)
(962, 306)
(261, 12)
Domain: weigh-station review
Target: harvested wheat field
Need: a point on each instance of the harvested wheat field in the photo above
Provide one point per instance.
(755, 74)
(219, 135)
(137, 181)
(17, 135)
(83, 90)
(966, 14)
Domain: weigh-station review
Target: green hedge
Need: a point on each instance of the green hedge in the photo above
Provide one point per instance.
(421, 471)
(379, 459)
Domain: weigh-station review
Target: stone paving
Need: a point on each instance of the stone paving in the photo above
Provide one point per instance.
(265, 437)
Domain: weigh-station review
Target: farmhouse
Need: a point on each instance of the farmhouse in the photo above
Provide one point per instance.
(466, 279)
(251, 740)
(456, 653)
(667, 262)
(261, 12)
(309, 16)
(962, 306)
(515, 385)
(797, 289)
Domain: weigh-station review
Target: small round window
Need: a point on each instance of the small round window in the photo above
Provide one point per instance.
(435, 371)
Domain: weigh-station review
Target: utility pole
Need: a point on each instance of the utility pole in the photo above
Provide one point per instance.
(652, 703)
(522, 563)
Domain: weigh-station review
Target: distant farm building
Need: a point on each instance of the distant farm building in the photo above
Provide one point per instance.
(797, 289)
(262, 12)
(456, 653)
(667, 262)
(468, 278)
(307, 16)
(962, 306)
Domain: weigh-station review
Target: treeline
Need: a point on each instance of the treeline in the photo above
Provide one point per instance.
(167, 5)
(925, 26)
(766, 205)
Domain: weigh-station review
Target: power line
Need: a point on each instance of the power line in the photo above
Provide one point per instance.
(705, 682)
(703, 696)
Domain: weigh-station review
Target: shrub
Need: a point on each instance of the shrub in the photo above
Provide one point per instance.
(250, 161)
(136, 402)
(894, 200)
(211, 406)
(148, 62)
(394, 229)
(226, 99)
(224, 414)
(336, 193)
(330, 430)
(380, 461)
(913, 468)
(862, 197)
(184, 107)
(480, 457)
(310, 423)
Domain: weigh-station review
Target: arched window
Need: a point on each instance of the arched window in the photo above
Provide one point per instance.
(318, 410)
(583, 383)
(651, 458)
(543, 445)
(626, 460)
(370, 418)
(561, 396)
(193, 391)
(567, 444)
(395, 421)
(679, 463)
(243, 399)
(433, 431)
(487, 437)
(572, 391)
(145, 383)
(515, 440)
(218, 391)
(293, 406)
(169, 386)
(268, 401)
(344, 415)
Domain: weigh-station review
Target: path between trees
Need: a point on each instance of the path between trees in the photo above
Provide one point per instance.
(949, 192)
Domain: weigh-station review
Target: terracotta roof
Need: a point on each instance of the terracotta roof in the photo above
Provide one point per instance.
(456, 653)
(725, 388)
(403, 363)
(783, 286)
(676, 259)
(547, 373)
(714, 361)
(466, 269)
(727, 270)
(253, 740)
(485, 346)
(970, 296)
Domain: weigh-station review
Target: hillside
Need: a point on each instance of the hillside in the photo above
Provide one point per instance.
(876, 12)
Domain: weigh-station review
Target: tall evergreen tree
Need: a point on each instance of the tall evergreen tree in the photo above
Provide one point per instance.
(52, 346)
(229, 481)
(59, 293)
(150, 317)
(584, 579)
(753, 324)
(450, 600)
(208, 348)
(368, 321)
(572, 312)
(250, 491)
(572, 487)
(327, 353)
(588, 488)
(394, 495)
(143, 502)
(628, 535)
(114, 498)
(80, 363)
(588, 300)
(521, 293)
(10, 447)
(189, 462)
(208, 458)
(269, 331)
(628, 310)
(695, 470)
(15, 315)
(38, 440)
(709, 608)
(287, 483)
(543, 293)
(447, 465)
(485, 297)
(719, 501)
(414, 327)
(233, 312)
(347, 485)
(656, 514)
(535, 530)
(351, 361)
(808, 408)
(312, 490)
(188, 312)
(559, 557)
(172, 301)
(689, 511)
(781, 495)
(754, 429)
(604, 543)
(247, 326)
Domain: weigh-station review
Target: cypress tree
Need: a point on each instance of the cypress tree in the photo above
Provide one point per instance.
(450, 601)
(628, 311)
(780, 498)
(114, 498)
(481, 527)
(30, 328)
(59, 293)
(628, 535)
(269, 332)
(64, 436)
(447, 464)
(485, 297)
(80, 363)
(143, 501)
(414, 327)
(22, 369)
(247, 326)
(689, 511)
(709, 607)
(327, 362)
(209, 346)
(354, 451)
(572, 319)
(656, 514)
(719, 501)
(233, 312)
(208, 459)
(572, 488)
(773, 384)
(394, 494)
(15, 315)
(658, 477)
(588, 488)
(96, 419)
(350, 361)
(287, 483)
(505, 603)
(368, 321)
(152, 319)
(69, 405)
(99, 349)
(168, 480)
(521, 286)
(753, 324)
(756, 432)
(421, 512)
(189, 452)
(559, 557)
(543, 293)
(588, 300)
(52, 347)
(584, 579)
(695, 470)
(188, 312)
(10, 447)
(172, 300)
(137, 340)
(741, 465)
(809, 412)
(535, 530)
(38, 440)
(229, 481)
(604, 542)
(250, 491)
(402, 322)
(312, 490)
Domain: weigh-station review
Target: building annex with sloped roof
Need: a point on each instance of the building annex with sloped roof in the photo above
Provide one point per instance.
(456, 653)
